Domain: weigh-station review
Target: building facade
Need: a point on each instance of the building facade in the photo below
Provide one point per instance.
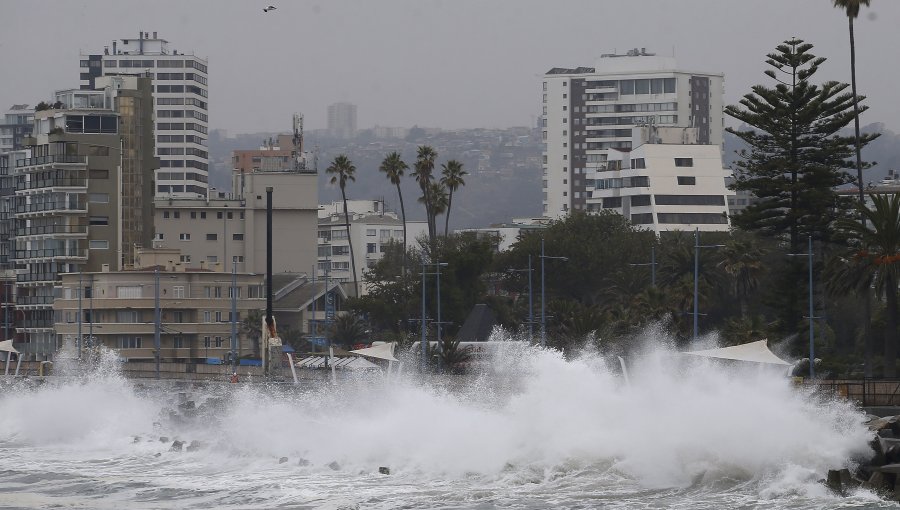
(180, 90)
(87, 162)
(664, 183)
(117, 310)
(15, 126)
(589, 112)
(342, 120)
(371, 230)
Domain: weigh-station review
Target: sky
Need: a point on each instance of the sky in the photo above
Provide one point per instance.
(434, 63)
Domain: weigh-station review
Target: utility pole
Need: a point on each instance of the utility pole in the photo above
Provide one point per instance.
(234, 339)
(156, 320)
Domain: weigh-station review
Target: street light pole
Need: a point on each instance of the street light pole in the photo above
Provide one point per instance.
(156, 319)
(543, 301)
(234, 314)
(697, 247)
(80, 313)
(424, 341)
(652, 265)
(530, 305)
(812, 345)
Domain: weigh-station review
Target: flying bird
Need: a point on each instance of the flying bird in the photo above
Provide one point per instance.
(269, 8)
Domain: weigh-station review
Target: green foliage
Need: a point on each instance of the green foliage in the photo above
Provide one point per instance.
(452, 178)
(796, 158)
(251, 327)
(346, 330)
(342, 171)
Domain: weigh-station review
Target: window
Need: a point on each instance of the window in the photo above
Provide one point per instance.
(638, 163)
(128, 316)
(166, 215)
(178, 316)
(207, 316)
(693, 218)
(684, 162)
(129, 342)
(178, 291)
(98, 174)
(212, 237)
(687, 180)
(371, 248)
(178, 342)
(218, 292)
(640, 200)
(202, 215)
(207, 341)
(98, 198)
(212, 259)
(218, 316)
(237, 237)
(176, 214)
(218, 341)
(230, 215)
(128, 292)
(185, 258)
(642, 218)
(612, 202)
(99, 244)
(193, 215)
(99, 220)
(690, 200)
(184, 237)
(371, 232)
(219, 215)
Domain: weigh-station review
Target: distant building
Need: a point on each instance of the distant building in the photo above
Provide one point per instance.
(180, 90)
(589, 112)
(15, 125)
(272, 156)
(371, 230)
(342, 120)
(506, 234)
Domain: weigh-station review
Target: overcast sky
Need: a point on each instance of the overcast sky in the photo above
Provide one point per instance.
(436, 63)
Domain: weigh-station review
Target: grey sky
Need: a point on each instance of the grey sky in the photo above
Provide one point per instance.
(441, 63)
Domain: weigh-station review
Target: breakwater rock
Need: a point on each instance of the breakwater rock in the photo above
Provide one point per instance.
(880, 472)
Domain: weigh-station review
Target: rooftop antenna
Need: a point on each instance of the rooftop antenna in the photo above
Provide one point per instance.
(297, 140)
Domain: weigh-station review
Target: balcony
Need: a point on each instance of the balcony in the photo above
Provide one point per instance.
(50, 253)
(40, 230)
(35, 301)
(37, 277)
(62, 182)
(49, 160)
(63, 207)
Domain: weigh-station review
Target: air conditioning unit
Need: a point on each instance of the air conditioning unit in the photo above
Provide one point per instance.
(104, 268)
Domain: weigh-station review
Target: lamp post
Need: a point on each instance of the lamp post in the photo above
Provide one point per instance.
(80, 312)
(697, 247)
(156, 319)
(652, 265)
(234, 315)
(424, 344)
(543, 301)
(530, 299)
(812, 346)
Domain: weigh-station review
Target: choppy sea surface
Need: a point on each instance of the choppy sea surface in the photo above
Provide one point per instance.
(531, 431)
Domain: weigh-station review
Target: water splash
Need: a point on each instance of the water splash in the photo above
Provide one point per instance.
(531, 419)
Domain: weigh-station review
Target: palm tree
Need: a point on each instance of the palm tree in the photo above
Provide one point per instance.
(347, 329)
(393, 167)
(874, 262)
(251, 327)
(424, 174)
(452, 179)
(342, 170)
(851, 7)
(742, 262)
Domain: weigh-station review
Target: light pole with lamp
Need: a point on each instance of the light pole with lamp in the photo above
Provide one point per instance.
(424, 344)
(234, 338)
(530, 298)
(156, 319)
(543, 301)
(697, 247)
(812, 347)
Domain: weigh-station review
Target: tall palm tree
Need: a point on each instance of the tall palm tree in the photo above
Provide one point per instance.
(851, 8)
(342, 170)
(423, 171)
(452, 179)
(393, 167)
(874, 262)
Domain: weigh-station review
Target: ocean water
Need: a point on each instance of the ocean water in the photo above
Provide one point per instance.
(532, 431)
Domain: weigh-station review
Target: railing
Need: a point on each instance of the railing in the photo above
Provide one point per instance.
(37, 230)
(867, 392)
(45, 160)
(50, 183)
(34, 300)
(51, 206)
(49, 253)
(37, 277)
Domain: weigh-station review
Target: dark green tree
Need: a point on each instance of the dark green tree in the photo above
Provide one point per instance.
(393, 167)
(347, 329)
(452, 178)
(873, 261)
(796, 157)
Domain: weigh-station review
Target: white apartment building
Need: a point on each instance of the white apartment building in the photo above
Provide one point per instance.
(589, 112)
(179, 82)
(15, 125)
(342, 120)
(664, 183)
(371, 230)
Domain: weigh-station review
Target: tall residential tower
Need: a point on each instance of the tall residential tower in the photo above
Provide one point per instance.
(589, 112)
(179, 82)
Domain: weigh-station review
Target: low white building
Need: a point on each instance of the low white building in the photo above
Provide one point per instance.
(666, 182)
(506, 234)
(371, 229)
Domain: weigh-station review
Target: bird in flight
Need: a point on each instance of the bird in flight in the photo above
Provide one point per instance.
(269, 8)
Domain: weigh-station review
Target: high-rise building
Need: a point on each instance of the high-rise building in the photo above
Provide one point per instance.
(15, 125)
(342, 120)
(179, 82)
(589, 112)
(81, 196)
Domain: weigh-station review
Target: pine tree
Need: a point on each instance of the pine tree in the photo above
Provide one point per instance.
(797, 157)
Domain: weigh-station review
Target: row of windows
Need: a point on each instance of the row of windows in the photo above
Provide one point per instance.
(170, 101)
(179, 188)
(626, 121)
(181, 126)
(162, 63)
(177, 176)
(92, 124)
(180, 89)
(647, 86)
(179, 139)
(202, 215)
(680, 218)
(170, 114)
(638, 181)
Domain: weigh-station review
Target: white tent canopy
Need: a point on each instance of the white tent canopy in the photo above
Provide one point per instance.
(350, 363)
(756, 352)
(381, 351)
(7, 346)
